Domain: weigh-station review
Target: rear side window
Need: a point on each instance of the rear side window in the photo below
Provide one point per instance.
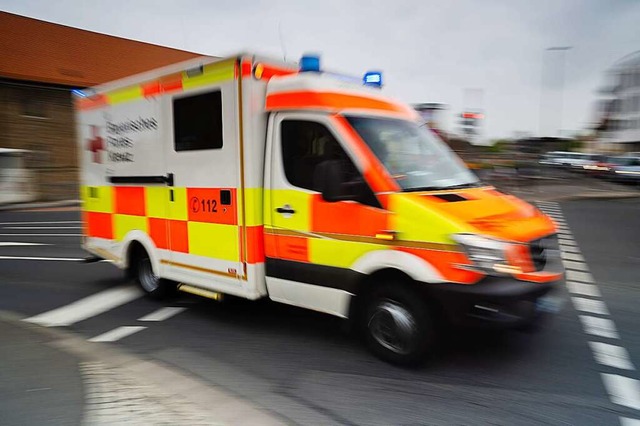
(197, 122)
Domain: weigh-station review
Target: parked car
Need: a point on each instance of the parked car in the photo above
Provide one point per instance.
(570, 160)
(607, 166)
(627, 170)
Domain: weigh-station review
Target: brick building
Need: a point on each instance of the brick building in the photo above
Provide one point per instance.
(41, 63)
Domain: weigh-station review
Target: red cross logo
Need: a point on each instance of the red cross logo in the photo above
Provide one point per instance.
(95, 144)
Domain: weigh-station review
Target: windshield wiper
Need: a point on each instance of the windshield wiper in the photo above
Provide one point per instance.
(424, 188)
(442, 188)
(465, 185)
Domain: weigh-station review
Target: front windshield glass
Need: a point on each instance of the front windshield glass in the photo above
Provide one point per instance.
(412, 154)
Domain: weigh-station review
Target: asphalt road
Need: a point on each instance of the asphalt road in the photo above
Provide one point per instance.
(303, 366)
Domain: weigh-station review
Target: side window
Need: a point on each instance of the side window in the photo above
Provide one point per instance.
(307, 144)
(197, 122)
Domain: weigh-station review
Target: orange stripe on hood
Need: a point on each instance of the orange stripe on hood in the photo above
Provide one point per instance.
(333, 101)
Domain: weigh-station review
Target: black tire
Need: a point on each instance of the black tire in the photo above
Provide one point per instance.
(154, 286)
(397, 325)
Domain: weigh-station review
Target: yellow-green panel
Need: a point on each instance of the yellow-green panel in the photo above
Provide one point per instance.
(178, 207)
(415, 221)
(214, 240)
(253, 208)
(298, 201)
(157, 200)
(124, 95)
(124, 223)
(341, 254)
(97, 199)
(211, 74)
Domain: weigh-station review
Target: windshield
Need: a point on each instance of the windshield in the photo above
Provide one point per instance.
(416, 158)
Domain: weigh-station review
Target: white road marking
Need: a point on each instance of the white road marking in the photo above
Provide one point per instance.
(42, 227)
(162, 314)
(576, 266)
(611, 355)
(40, 235)
(11, 244)
(573, 256)
(569, 249)
(602, 327)
(584, 277)
(60, 259)
(622, 390)
(88, 307)
(584, 289)
(117, 333)
(590, 305)
(41, 223)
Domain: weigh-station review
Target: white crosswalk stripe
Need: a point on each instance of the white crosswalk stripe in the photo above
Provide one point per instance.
(88, 307)
(117, 333)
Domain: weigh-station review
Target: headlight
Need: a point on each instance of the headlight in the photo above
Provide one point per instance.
(487, 254)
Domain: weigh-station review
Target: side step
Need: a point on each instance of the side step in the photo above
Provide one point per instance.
(201, 292)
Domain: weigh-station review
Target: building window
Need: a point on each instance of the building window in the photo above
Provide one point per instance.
(197, 122)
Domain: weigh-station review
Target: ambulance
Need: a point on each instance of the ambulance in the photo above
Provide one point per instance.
(256, 178)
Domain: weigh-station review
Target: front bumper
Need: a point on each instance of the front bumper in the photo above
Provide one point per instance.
(494, 302)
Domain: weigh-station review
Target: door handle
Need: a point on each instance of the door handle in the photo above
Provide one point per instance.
(286, 209)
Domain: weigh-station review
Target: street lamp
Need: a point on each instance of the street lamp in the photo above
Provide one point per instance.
(562, 50)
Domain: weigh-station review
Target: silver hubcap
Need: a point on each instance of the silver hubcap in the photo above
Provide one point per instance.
(393, 326)
(148, 279)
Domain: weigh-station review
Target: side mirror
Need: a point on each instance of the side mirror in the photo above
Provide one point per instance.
(329, 179)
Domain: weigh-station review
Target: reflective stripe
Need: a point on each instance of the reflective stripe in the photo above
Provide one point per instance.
(123, 224)
(159, 231)
(342, 254)
(255, 244)
(211, 74)
(124, 95)
(214, 240)
(155, 199)
(97, 199)
(444, 262)
(363, 220)
(299, 201)
(253, 209)
(129, 200)
(98, 225)
(332, 101)
(178, 208)
(205, 205)
(433, 226)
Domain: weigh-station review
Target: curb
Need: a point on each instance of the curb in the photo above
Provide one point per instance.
(165, 383)
(41, 205)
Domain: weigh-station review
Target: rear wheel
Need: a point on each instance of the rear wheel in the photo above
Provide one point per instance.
(151, 284)
(397, 325)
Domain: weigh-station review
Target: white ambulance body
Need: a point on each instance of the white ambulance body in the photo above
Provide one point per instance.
(243, 176)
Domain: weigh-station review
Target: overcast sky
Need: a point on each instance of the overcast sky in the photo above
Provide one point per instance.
(429, 51)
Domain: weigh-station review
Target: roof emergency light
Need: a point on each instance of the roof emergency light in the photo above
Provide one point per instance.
(310, 62)
(372, 78)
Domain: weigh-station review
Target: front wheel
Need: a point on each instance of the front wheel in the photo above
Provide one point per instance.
(151, 284)
(397, 325)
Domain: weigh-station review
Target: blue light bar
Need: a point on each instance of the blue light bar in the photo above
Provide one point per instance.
(79, 92)
(310, 63)
(372, 78)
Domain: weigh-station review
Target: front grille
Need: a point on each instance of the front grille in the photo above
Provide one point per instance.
(540, 250)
